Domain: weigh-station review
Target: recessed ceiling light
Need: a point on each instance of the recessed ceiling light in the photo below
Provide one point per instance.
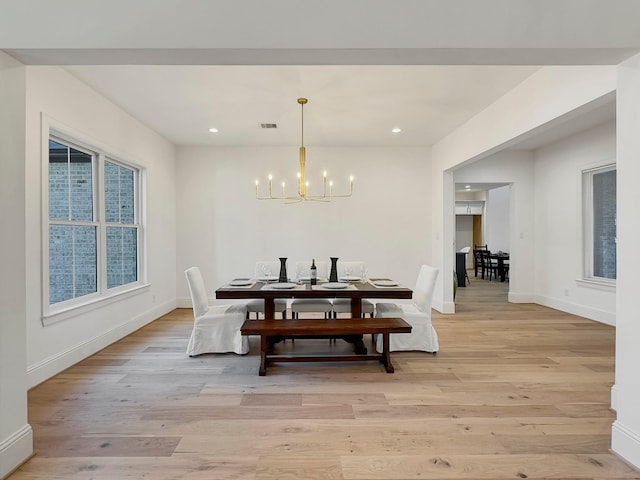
(213, 130)
(396, 130)
(467, 186)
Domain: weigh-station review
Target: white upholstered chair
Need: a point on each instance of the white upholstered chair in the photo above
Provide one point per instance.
(417, 314)
(343, 305)
(266, 268)
(215, 329)
(311, 305)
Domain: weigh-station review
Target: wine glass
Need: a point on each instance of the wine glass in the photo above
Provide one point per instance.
(266, 270)
(300, 273)
(347, 273)
(363, 273)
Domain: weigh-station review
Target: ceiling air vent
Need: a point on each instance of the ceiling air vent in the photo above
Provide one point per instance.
(268, 125)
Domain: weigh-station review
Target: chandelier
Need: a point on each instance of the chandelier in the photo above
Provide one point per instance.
(303, 192)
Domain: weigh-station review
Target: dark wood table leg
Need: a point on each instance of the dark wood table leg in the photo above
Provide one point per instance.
(264, 346)
(270, 314)
(356, 307)
(501, 270)
(269, 308)
(356, 312)
(386, 357)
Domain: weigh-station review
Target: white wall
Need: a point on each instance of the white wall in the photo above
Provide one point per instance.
(50, 349)
(225, 230)
(626, 395)
(16, 436)
(558, 215)
(464, 236)
(497, 229)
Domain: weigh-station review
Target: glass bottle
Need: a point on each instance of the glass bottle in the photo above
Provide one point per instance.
(314, 272)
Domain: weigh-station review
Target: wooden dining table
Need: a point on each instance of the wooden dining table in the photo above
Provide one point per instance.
(500, 257)
(356, 291)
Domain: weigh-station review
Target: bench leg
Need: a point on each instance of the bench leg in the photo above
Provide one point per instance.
(386, 357)
(264, 346)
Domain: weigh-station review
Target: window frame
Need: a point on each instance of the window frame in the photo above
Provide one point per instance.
(136, 217)
(52, 313)
(586, 178)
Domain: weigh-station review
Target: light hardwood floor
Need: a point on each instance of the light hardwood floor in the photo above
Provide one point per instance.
(517, 391)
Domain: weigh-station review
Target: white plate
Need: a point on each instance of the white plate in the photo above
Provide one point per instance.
(350, 278)
(283, 286)
(386, 283)
(240, 282)
(335, 285)
(267, 279)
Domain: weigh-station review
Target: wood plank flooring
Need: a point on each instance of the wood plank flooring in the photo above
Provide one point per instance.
(517, 391)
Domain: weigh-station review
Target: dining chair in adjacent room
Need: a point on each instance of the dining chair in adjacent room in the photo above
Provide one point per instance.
(489, 265)
(423, 336)
(311, 305)
(477, 259)
(216, 329)
(264, 269)
(353, 270)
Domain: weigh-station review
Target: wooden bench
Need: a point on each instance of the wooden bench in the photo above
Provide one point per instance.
(323, 328)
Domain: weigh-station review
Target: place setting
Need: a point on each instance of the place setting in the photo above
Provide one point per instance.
(383, 283)
(280, 286)
(241, 283)
(334, 286)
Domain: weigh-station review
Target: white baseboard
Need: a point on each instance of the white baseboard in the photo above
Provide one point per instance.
(443, 307)
(47, 368)
(626, 444)
(514, 297)
(15, 450)
(608, 318)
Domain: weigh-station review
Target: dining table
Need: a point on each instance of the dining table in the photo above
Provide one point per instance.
(500, 257)
(356, 291)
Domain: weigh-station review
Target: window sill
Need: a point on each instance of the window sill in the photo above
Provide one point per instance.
(596, 284)
(79, 309)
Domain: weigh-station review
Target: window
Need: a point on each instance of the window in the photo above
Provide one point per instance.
(94, 229)
(599, 192)
(122, 231)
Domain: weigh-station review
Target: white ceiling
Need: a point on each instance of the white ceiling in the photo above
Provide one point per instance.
(348, 105)
(183, 67)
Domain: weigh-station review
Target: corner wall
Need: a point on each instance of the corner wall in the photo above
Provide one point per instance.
(82, 111)
(16, 436)
(626, 429)
(558, 220)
